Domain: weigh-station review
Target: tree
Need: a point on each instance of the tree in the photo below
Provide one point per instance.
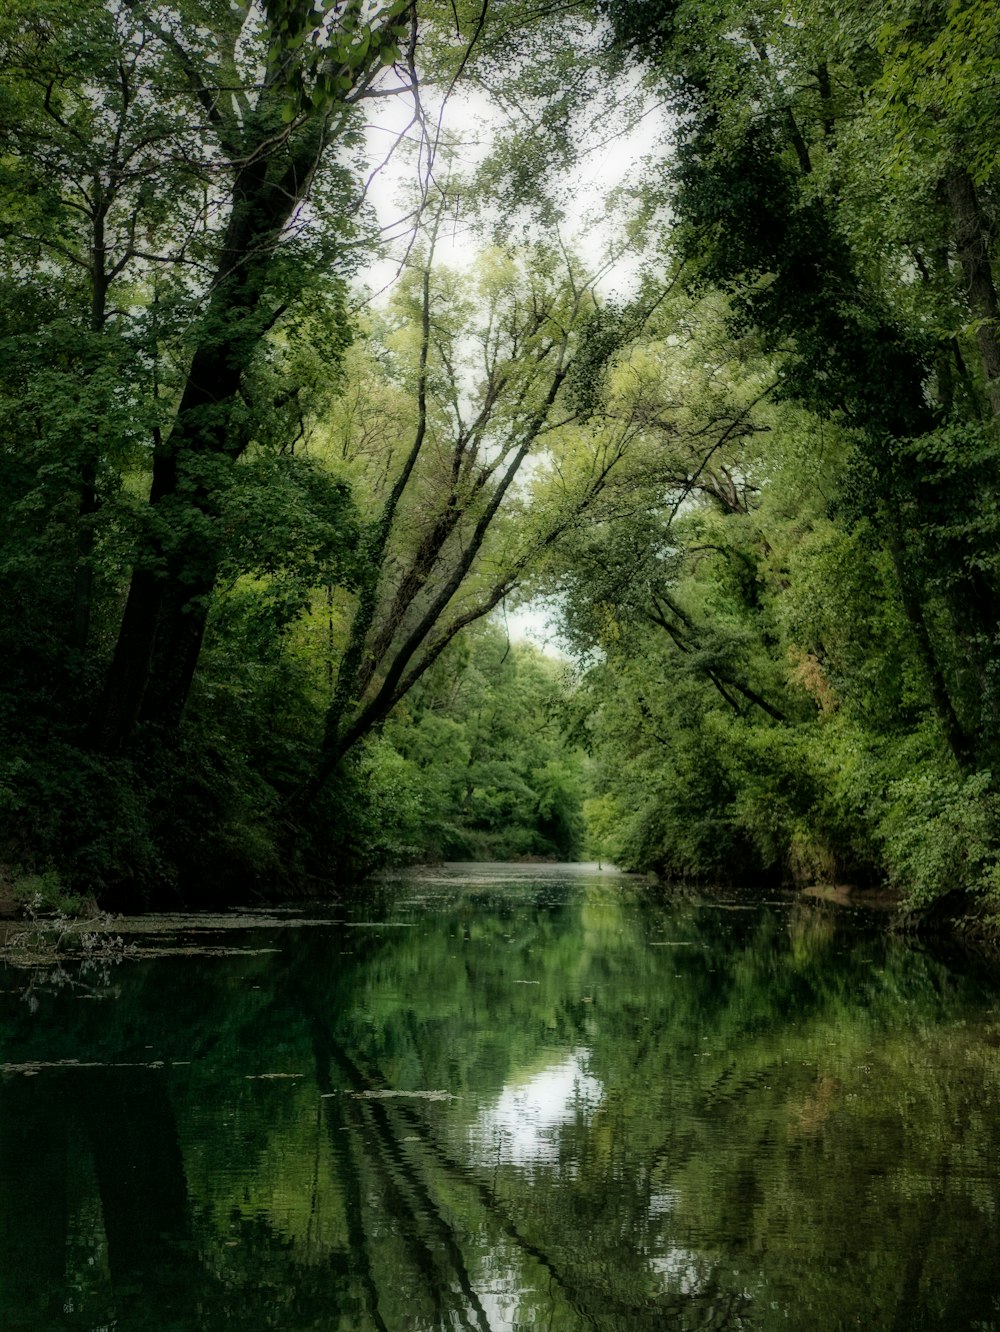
(271, 141)
(181, 212)
(498, 776)
(486, 361)
(794, 628)
(182, 174)
(783, 128)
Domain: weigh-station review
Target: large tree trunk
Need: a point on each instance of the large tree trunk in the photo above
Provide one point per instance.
(83, 579)
(165, 613)
(973, 243)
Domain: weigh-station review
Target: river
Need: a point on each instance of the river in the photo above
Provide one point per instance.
(501, 1098)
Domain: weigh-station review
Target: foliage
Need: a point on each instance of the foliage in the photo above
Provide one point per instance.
(497, 777)
(940, 837)
(253, 533)
(196, 604)
(814, 602)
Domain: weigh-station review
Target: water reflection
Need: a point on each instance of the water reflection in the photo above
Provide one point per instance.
(507, 1100)
(521, 1126)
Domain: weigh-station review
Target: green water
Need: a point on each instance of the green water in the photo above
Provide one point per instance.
(505, 1099)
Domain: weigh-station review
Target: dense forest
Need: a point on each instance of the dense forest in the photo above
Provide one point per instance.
(264, 515)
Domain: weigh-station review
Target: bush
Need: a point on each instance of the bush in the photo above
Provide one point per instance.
(939, 834)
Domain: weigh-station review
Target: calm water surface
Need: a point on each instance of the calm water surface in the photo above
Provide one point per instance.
(505, 1098)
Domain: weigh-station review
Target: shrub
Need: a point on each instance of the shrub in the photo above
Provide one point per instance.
(939, 834)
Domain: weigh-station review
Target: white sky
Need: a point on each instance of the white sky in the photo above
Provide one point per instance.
(469, 124)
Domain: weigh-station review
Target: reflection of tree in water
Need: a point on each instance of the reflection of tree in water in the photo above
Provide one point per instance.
(416, 1208)
(114, 1129)
(563, 1279)
(746, 1120)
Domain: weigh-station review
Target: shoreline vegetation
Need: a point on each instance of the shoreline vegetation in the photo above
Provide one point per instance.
(733, 435)
(80, 946)
(42, 925)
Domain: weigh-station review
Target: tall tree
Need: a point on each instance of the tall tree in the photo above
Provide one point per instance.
(783, 128)
(486, 361)
(268, 140)
(176, 179)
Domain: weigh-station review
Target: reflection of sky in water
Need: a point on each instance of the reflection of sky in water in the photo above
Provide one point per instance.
(682, 1270)
(504, 1296)
(522, 1126)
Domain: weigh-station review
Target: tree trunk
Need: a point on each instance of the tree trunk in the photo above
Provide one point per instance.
(163, 623)
(83, 580)
(973, 244)
(957, 739)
